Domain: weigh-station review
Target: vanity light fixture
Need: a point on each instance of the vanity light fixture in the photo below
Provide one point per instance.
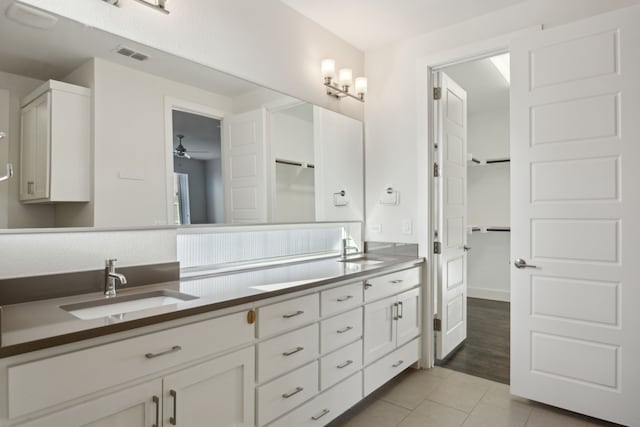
(340, 89)
(159, 5)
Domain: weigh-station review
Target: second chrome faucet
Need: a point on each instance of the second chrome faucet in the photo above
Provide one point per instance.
(110, 277)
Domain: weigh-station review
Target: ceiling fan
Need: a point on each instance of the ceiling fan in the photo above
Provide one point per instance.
(180, 150)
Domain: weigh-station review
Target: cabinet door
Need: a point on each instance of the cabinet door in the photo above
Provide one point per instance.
(34, 149)
(379, 329)
(137, 406)
(218, 392)
(409, 320)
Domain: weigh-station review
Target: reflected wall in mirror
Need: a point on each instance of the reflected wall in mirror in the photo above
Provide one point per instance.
(248, 154)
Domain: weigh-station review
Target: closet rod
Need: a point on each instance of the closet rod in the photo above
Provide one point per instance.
(498, 161)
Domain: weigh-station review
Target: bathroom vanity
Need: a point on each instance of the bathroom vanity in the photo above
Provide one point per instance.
(290, 345)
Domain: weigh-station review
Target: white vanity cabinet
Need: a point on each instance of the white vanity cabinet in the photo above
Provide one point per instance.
(55, 144)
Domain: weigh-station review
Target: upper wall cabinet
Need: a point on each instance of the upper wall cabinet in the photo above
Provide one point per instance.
(54, 145)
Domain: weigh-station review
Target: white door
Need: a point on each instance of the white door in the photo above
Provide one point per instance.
(35, 122)
(219, 392)
(137, 406)
(451, 116)
(379, 329)
(575, 200)
(244, 167)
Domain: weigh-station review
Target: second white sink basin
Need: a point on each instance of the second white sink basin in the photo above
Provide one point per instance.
(125, 304)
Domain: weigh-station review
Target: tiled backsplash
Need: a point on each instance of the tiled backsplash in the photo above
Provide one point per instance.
(208, 246)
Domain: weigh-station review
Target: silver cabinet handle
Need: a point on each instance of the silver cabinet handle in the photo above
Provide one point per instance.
(30, 187)
(396, 281)
(173, 349)
(345, 329)
(394, 311)
(320, 415)
(174, 420)
(520, 263)
(296, 391)
(400, 310)
(398, 363)
(289, 353)
(289, 316)
(345, 364)
(345, 298)
(156, 401)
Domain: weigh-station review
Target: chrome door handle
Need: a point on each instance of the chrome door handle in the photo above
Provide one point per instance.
(289, 316)
(466, 248)
(520, 263)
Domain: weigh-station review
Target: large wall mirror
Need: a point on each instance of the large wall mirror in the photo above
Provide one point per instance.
(105, 132)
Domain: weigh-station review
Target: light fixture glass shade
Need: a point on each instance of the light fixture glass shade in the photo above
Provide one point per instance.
(361, 86)
(328, 67)
(345, 77)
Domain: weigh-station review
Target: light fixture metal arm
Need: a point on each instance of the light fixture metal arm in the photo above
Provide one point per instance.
(341, 93)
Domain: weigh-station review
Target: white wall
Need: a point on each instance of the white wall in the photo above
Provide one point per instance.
(197, 187)
(396, 147)
(488, 265)
(215, 191)
(15, 214)
(130, 136)
(488, 134)
(263, 41)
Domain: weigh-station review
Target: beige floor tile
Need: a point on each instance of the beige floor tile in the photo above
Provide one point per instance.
(440, 372)
(548, 417)
(431, 414)
(378, 414)
(486, 415)
(462, 378)
(499, 395)
(412, 390)
(460, 391)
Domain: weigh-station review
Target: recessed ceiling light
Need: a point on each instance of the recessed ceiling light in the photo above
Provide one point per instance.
(502, 62)
(31, 16)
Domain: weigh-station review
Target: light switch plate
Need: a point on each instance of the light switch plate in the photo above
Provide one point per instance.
(407, 226)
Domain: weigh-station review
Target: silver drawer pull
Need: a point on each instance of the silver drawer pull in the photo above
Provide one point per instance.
(296, 391)
(345, 364)
(396, 281)
(398, 363)
(173, 349)
(289, 316)
(343, 330)
(320, 415)
(156, 401)
(289, 353)
(345, 298)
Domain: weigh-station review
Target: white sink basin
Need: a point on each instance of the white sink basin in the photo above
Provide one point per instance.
(125, 304)
(362, 261)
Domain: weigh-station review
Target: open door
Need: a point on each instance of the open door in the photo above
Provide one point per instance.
(575, 282)
(451, 182)
(244, 167)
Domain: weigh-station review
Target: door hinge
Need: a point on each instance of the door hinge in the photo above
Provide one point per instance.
(437, 325)
(437, 248)
(436, 170)
(437, 93)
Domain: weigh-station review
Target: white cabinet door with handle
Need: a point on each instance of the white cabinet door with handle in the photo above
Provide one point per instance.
(379, 329)
(219, 392)
(409, 320)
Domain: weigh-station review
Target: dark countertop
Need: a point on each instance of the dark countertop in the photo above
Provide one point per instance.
(41, 324)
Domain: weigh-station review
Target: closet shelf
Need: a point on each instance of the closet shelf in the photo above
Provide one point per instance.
(474, 161)
(487, 228)
(295, 163)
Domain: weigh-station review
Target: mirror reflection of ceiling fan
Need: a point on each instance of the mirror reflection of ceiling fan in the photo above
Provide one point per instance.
(181, 150)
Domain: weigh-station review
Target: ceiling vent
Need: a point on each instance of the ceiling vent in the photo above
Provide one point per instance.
(132, 53)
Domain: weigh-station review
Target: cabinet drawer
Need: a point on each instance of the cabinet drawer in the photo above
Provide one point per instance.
(340, 364)
(285, 393)
(286, 352)
(340, 330)
(287, 315)
(389, 284)
(326, 407)
(391, 365)
(341, 298)
(43, 383)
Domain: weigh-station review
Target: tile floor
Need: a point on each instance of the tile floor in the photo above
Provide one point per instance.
(441, 397)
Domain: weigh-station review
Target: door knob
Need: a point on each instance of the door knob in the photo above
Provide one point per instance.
(467, 248)
(520, 263)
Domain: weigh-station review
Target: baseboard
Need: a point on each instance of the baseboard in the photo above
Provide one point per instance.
(492, 294)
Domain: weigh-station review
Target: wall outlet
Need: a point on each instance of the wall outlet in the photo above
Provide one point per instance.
(407, 226)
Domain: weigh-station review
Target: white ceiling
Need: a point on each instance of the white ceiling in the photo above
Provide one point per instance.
(486, 88)
(369, 24)
(53, 53)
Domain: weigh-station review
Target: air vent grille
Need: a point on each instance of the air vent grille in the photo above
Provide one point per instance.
(132, 53)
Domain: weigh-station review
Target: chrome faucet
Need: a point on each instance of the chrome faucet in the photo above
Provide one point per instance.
(110, 277)
(345, 248)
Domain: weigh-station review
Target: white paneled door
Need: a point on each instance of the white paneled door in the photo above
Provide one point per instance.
(451, 115)
(244, 167)
(575, 144)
